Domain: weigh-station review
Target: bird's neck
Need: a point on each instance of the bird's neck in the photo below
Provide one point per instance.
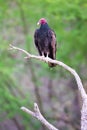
(44, 26)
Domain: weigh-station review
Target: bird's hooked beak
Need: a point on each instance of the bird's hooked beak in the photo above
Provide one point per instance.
(38, 23)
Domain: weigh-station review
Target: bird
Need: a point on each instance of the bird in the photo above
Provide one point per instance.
(45, 41)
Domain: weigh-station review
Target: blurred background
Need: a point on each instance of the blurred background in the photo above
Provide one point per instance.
(23, 82)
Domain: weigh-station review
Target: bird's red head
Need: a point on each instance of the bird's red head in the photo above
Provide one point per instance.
(42, 21)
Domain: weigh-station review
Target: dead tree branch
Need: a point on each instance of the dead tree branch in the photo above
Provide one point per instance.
(37, 114)
(79, 84)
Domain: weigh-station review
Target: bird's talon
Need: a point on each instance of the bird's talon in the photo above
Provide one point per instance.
(47, 57)
(43, 56)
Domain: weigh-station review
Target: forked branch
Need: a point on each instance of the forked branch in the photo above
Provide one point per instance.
(79, 84)
(37, 114)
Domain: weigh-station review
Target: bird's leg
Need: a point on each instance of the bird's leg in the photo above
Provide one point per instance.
(43, 54)
(47, 55)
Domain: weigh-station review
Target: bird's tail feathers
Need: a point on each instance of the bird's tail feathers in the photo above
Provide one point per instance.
(51, 64)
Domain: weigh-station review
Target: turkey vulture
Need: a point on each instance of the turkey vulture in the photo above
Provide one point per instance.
(45, 41)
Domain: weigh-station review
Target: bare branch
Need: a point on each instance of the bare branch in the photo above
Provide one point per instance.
(47, 59)
(37, 114)
(84, 115)
(79, 84)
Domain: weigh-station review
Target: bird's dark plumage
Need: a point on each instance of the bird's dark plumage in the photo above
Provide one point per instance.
(45, 40)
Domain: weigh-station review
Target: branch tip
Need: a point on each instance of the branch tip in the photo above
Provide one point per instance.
(22, 108)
